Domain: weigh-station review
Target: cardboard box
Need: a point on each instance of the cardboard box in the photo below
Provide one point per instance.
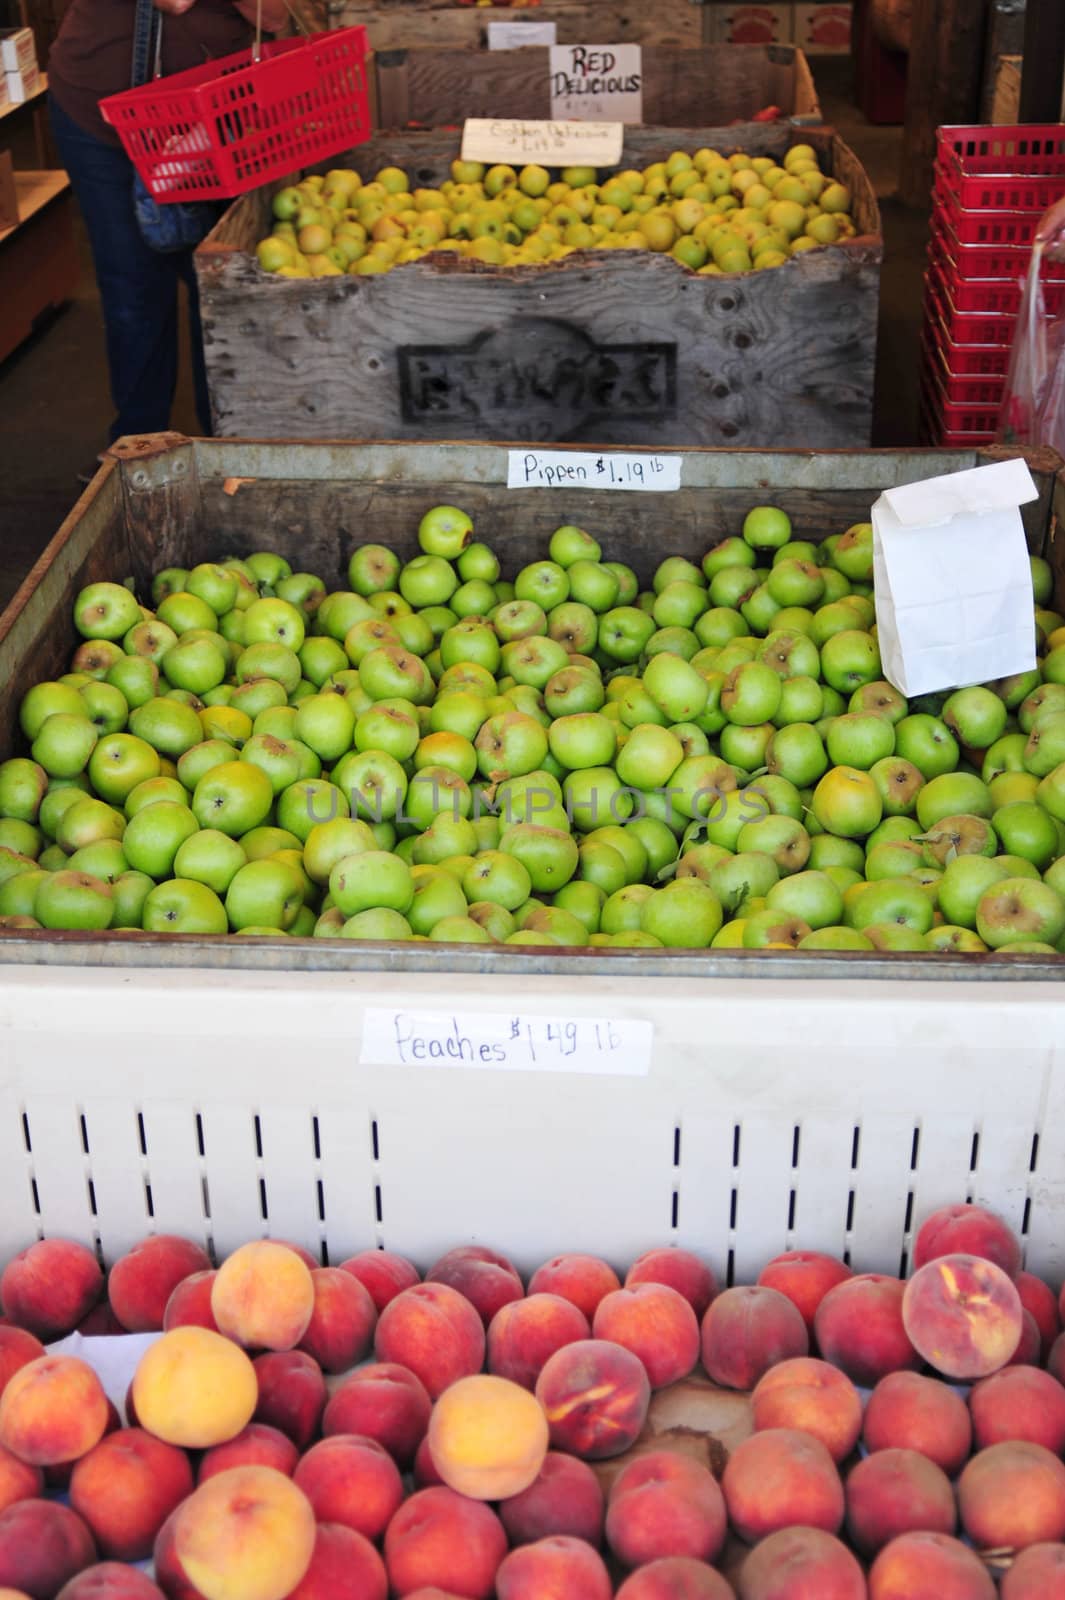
(750, 24)
(23, 85)
(822, 28)
(18, 51)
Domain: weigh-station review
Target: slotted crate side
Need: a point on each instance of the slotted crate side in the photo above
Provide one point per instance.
(396, 23)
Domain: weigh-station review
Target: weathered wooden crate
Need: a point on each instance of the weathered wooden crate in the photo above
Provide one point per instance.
(681, 87)
(394, 24)
(612, 347)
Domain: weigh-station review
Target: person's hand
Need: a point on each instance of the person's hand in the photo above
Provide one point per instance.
(174, 8)
(1051, 232)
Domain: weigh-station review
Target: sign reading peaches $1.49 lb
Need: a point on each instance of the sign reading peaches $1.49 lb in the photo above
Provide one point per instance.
(505, 1041)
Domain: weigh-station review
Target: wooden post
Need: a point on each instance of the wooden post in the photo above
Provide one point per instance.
(1044, 61)
(943, 84)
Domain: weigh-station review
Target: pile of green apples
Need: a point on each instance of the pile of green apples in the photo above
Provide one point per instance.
(438, 753)
(712, 213)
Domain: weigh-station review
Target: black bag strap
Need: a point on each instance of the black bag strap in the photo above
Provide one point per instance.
(147, 42)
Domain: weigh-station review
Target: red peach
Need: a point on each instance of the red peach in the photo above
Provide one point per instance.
(859, 1327)
(432, 1592)
(109, 1580)
(1038, 1573)
(813, 1397)
(1029, 1346)
(929, 1566)
(488, 1280)
(340, 1331)
(58, 1475)
(382, 1273)
(433, 1330)
(440, 1537)
(126, 1487)
(968, 1231)
(675, 1578)
(801, 1564)
(893, 1492)
(100, 1322)
(48, 1288)
(42, 1546)
(677, 1269)
(780, 1479)
(18, 1480)
(247, 1534)
(1019, 1403)
(425, 1474)
(190, 1303)
(805, 1276)
(142, 1281)
(344, 1566)
(580, 1278)
(748, 1330)
(1038, 1298)
(657, 1324)
(257, 1445)
(17, 1349)
(1012, 1495)
(911, 1412)
(263, 1296)
(596, 1397)
(310, 1261)
(665, 1504)
(554, 1569)
(1056, 1358)
(565, 1498)
(352, 1480)
(292, 1394)
(168, 1570)
(385, 1402)
(52, 1410)
(523, 1334)
(963, 1314)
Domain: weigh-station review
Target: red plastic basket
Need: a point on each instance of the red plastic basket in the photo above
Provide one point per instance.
(961, 388)
(992, 294)
(970, 327)
(991, 260)
(1015, 168)
(964, 360)
(941, 424)
(218, 130)
(982, 227)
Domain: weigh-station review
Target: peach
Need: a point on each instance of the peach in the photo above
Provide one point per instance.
(385, 1402)
(968, 1231)
(678, 1269)
(344, 1566)
(100, 1322)
(893, 1492)
(440, 1537)
(433, 1330)
(748, 1330)
(17, 1349)
(382, 1273)
(963, 1314)
(596, 1397)
(805, 1276)
(169, 1574)
(52, 1410)
(291, 1394)
(189, 1305)
(247, 1534)
(1029, 1345)
(911, 1412)
(1040, 1300)
(194, 1388)
(142, 1281)
(859, 1327)
(125, 1488)
(655, 1323)
(675, 1578)
(109, 1580)
(487, 1437)
(488, 1280)
(524, 1333)
(58, 1475)
(1019, 1402)
(1056, 1358)
(426, 1475)
(564, 1498)
(340, 1331)
(665, 1504)
(1038, 1573)
(257, 1445)
(554, 1569)
(42, 1546)
(929, 1566)
(48, 1288)
(779, 1479)
(18, 1480)
(801, 1564)
(310, 1261)
(580, 1278)
(1012, 1495)
(352, 1481)
(813, 1397)
(263, 1296)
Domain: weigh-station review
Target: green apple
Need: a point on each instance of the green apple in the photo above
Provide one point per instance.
(900, 901)
(265, 893)
(1042, 580)
(136, 677)
(428, 581)
(46, 700)
(209, 857)
(847, 802)
(543, 582)
(797, 753)
(234, 798)
(202, 759)
(795, 583)
(1026, 830)
(119, 763)
(153, 790)
(731, 588)
(105, 611)
(745, 748)
(330, 842)
(448, 750)
(372, 569)
(184, 905)
(74, 901)
(326, 723)
(91, 662)
(928, 743)
(519, 619)
(461, 711)
(895, 858)
(470, 640)
(182, 612)
(340, 611)
(976, 717)
(437, 894)
(850, 659)
(274, 621)
(730, 552)
(860, 739)
(23, 785)
(18, 893)
(628, 583)
(374, 783)
(751, 694)
(446, 838)
(880, 697)
(433, 791)
(371, 879)
(509, 745)
(956, 941)
(783, 838)
(150, 640)
(595, 586)
(835, 939)
(1020, 909)
(573, 690)
(678, 605)
(717, 626)
(834, 617)
(302, 590)
(759, 609)
(444, 531)
(1005, 756)
(170, 581)
(790, 654)
(478, 564)
(685, 914)
(379, 924)
(64, 744)
(498, 877)
(21, 836)
(584, 739)
(390, 672)
(770, 929)
(960, 835)
(603, 866)
(153, 837)
(1045, 748)
(677, 689)
(574, 626)
(168, 726)
(533, 662)
(735, 879)
(462, 930)
(497, 922)
(213, 584)
(766, 528)
(387, 729)
(267, 568)
(853, 553)
(594, 797)
(951, 794)
(827, 850)
(194, 664)
(1046, 698)
(801, 700)
(1050, 793)
(649, 757)
(623, 633)
(549, 855)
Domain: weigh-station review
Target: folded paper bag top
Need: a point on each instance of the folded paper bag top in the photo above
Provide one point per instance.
(952, 579)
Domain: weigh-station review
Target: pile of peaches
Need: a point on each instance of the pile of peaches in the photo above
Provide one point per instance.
(298, 1432)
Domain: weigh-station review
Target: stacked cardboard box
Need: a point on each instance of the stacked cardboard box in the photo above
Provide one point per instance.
(21, 74)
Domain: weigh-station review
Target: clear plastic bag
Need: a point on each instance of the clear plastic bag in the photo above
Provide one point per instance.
(1033, 405)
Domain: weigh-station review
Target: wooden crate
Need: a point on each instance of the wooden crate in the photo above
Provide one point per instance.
(394, 24)
(613, 347)
(681, 88)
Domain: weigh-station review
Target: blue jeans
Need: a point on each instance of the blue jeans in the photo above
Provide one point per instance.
(138, 287)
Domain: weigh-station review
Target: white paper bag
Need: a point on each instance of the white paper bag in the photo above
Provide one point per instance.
(952, 579)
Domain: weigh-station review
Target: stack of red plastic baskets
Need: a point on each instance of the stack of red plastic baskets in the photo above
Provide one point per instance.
(991, 187)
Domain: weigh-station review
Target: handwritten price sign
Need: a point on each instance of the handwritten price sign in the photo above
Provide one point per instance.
(566, 469)
(506, 1042)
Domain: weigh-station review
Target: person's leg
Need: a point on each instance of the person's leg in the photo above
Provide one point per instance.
(138, 286)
